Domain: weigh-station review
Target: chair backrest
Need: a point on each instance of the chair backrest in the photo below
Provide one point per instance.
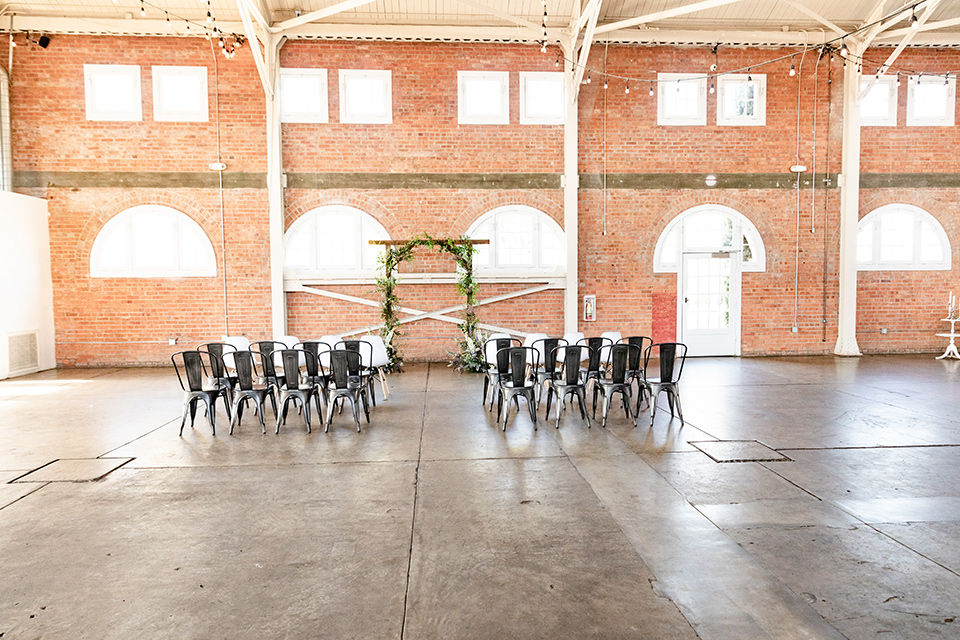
(290, 341)
(216, 348)
(614, 337)
(596, 345)
(517, 359)
(572, 356)
(318, 348)
(215, 361)
(380, 357)
(191, 366)
(548, 352)
(343, 365)
(313, 349)
(671, 353)
(492, 348)
(641, 342)
(267, 348)
(620, 356)
(240, 343)
(245, 364)
(365, 349)
(291, 359)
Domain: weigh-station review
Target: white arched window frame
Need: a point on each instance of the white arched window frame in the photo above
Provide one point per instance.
(332, 243)
(901, 237)
(523, 241)
(152, 241)
(709, 227)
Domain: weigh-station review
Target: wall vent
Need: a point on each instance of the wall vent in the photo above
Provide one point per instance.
(24, 352)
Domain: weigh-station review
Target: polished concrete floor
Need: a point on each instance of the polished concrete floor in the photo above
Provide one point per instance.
(433, 523)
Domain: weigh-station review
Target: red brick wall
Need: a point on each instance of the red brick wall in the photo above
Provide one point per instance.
(118, 321)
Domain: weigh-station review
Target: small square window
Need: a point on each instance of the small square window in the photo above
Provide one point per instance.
(878, 107)
(681, 99)
(742, 99)
(112, 92)
(180, 94)
(303, 95)
(365, 97)
(931, 101)
(483, 97)
(542, 98)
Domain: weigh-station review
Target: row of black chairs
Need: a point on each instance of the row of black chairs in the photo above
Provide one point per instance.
(553, 366)
(311, 371)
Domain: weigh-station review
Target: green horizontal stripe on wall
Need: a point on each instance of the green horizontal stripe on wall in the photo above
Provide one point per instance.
(699, 181)
(135, 179)
(502, 181)
(375, 180)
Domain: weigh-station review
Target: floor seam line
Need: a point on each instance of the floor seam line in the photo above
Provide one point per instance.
(416, 496)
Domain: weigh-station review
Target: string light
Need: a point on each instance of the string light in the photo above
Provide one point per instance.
(143, 11)
(749, 77)
(898, 78)
(946, 80)
(168, 18)
(712, 88)
(843, 49)
(605, 83)
(627, 90)
(651, 88)
(588, 78)
(919, 78)
(793, 69)
(914, 23)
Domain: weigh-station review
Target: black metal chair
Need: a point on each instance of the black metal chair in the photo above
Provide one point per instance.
(518, 382)
(319, 350)
(671, 354)
(345, 381)
(268, 349)
(365, 349)
(493, 371)
(297, 387)
(618, 382)
(250, 386)
(548, 354)
(569, 381)
(193, 372)
(594, 370)
(218, 369)
(635, 367)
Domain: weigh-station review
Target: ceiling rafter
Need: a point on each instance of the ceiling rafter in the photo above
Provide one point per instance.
(521, 22)
(320, 14)
(663, 15)
(254, 11)
(593, 11)
(254, 40)
(900, 47)
(816, 16)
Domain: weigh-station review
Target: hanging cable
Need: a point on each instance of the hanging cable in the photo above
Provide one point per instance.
(826, 194)
(796, 282)
(605, 47)
(223, 227)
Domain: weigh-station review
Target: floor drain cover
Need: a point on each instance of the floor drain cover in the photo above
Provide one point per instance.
(74, 470)
(739, 451)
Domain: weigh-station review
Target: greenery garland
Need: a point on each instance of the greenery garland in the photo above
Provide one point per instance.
(470, 356)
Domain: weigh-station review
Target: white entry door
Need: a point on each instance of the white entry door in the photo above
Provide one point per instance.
(709, 303)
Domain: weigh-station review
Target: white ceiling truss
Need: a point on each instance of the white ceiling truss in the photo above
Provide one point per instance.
(701, 22)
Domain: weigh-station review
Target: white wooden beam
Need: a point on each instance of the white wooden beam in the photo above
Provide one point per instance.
(663, 15)
(571, 193)
(907, 38)
(581, 19)
(926, 28)
(253, 40)
(314, 16)
(253, 8)
(585, 48)
(521, 22)
(816, 16)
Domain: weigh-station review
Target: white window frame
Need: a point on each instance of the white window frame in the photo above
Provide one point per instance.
(464, 77)
(91, 71)
(123, 223)
(742, 227)
(386, 78)
(759, 118)
(950, 86)
(366, 272)
(921, 217)
(885, 83)
(555, 76)
(667, 82)
(541, 219)
(320, 77)
(160, 74)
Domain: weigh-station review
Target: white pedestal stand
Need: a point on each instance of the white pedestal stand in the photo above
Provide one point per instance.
(951, 351)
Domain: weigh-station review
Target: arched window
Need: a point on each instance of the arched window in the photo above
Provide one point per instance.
(523, 240)
(152, 241)
(332, 242)
(901, 237)
(709, 227)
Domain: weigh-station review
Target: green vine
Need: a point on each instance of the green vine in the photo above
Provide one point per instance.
(470, 356)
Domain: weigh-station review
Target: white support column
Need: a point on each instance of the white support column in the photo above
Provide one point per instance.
(278, 300)
(849, 207)
(571, 189)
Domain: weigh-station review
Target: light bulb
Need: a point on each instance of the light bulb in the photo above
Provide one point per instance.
(713, 67)
(793, 70)
(914, 23)
(588, 78)
(627, 90)
(712, 88)
(651, 89)
(605, 83)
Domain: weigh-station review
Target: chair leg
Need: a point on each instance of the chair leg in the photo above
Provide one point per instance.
(506, 411)
(366, 405)
(260, 411)
(486, 385)
(653, 404)
(549, 395)
(306, 411)
(356, 411)
(212, 413)
(235, 414)
(532, 406)
(582, 401)
(607, 397)
(331, 402)
(193, 411)
(679, 410)
(283, 412)
(183, 418)
(559, 405)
